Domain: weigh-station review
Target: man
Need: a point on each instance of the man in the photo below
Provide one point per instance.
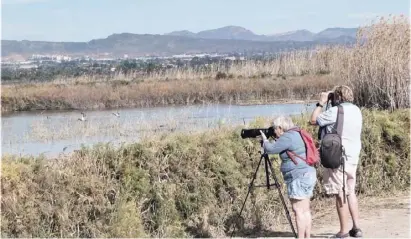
(351, 141)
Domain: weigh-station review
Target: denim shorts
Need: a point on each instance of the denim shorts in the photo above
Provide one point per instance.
(302, 187)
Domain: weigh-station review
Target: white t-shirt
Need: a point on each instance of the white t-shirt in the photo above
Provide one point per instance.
(352, 126)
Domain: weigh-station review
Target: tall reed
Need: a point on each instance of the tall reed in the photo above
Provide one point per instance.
(378, 67)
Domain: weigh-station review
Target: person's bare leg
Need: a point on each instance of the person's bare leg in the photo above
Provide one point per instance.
(343, 213)
(308, 218)
(353, 206)
(353, 202)
(298, 208)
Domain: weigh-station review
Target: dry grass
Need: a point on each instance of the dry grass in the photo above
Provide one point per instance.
(377, 70)
(177, 185)
(154, 93)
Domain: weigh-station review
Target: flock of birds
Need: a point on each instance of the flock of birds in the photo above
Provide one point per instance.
(117, 114)
(83, 116)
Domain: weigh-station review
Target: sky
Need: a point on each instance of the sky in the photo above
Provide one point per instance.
(84, 20)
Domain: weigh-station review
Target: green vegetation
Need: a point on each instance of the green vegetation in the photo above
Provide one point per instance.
(108, 70)
(177, 185)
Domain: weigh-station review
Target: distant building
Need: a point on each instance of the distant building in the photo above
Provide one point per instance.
(28, 66)
(230, 58)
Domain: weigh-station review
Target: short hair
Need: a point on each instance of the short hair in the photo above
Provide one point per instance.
(285, 122)
(344, 92)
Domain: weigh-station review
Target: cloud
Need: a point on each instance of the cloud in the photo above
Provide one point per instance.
(14, 2)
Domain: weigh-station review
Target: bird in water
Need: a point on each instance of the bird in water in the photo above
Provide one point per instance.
(221, 122)
(116, 114)
(83, 117)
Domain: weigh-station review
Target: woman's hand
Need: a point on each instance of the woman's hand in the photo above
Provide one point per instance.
(263, 136)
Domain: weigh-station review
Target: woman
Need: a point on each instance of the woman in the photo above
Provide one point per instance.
(299, 176)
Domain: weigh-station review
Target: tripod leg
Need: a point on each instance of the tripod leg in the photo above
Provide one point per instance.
(267, 160)
(248, 193)
(267, 178)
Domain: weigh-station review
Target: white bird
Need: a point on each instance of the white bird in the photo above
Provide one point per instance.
(116, 114)
(83, 118)
(221, 122)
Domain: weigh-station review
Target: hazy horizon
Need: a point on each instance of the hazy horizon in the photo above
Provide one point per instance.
(82, 21)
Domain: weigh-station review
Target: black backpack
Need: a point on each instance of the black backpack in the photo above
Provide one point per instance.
(331, 150)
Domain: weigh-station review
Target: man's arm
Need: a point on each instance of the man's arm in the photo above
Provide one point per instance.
(327, 117)
(278, 146)
(317, 110)
(315, 114)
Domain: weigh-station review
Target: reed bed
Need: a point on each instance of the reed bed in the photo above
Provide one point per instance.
(377, 68)
(152, 93)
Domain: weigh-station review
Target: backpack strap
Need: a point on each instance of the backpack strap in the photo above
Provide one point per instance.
(339, 123)
(340, 120)
(338, 127)
(291, 153)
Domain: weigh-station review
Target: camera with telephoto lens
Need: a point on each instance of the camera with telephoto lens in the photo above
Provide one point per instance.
(253, 133)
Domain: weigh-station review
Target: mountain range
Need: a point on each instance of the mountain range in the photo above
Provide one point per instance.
(227, 39)
(241, 33)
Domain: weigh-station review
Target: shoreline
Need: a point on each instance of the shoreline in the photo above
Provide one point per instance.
(241, 103)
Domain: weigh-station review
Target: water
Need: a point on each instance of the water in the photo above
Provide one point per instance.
(53, 133)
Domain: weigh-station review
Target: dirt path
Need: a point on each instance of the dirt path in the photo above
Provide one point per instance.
(380, 218)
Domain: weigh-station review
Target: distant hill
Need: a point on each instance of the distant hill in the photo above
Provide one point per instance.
(333, 33)
(222, 40)
(183, 33)
(241, 33)
(229, 33)
(299, 35)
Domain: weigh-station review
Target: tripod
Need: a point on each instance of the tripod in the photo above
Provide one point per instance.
(268, 166)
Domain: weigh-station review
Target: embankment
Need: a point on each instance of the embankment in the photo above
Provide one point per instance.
(177, 185)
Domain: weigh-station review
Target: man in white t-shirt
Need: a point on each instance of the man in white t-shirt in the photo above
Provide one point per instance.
(351, 141)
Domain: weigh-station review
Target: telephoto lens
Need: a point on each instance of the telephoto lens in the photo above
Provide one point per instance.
(253, 133)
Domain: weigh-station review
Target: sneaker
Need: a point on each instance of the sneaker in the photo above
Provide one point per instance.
(355, 232)
(340, 235)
